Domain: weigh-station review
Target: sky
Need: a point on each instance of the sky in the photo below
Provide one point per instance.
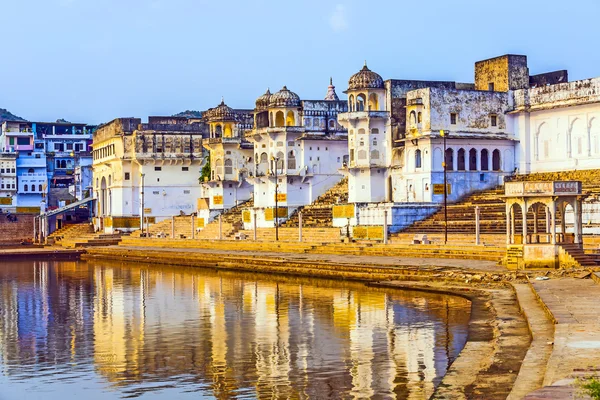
(95, 60)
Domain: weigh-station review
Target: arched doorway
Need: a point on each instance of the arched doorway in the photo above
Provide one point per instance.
(103, 197)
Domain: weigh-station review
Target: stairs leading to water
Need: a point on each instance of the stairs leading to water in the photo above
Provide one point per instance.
(231, 220)
(320, 212)
(82, 235)
(577, 253)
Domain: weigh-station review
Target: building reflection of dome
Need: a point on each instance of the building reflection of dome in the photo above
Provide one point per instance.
(284, 98)
(365, 79)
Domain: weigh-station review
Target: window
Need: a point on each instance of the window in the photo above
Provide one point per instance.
(158, 168)
(491, 86)
(472, 160)
(23, 141)
(186, 192)
(155, 192)
(493, 120)
(418, 158)
(484, 160)
(449, 159)
(59, 147)
(375, 131)
(453, 118)
(30, 171)
(25, 188)
(461, 160)
(419, 117)
(69, 146)
(40, 188)
(185, 168)
(78, 146)
(496, 160)
(127, 176)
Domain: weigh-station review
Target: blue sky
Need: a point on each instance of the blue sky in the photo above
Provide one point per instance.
(95, 60)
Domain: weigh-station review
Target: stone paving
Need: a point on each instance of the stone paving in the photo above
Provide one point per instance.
(574, 305)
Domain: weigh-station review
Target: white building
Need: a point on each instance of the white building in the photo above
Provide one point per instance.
(298, 149)
(151, 168)
(230, 161)
(8, 180)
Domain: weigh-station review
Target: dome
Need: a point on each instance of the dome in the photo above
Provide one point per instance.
(222, 112)
(365, 79)
(263, 101)
(284, 98)
(331, 94)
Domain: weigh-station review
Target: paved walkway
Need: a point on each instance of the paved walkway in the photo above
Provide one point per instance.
(574, 304)
(477, 265)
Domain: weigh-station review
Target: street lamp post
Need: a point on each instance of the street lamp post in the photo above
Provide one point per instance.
(142, 222)
(444, 134)
(276, 202)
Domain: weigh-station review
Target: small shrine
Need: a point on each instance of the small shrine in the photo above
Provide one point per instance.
(543, 220)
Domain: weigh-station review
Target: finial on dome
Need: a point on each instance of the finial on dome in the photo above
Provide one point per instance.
(222, 99)
(331, 81)
(366, 64)
(331, 94)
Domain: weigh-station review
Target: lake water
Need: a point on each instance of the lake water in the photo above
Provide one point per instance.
(102, 330)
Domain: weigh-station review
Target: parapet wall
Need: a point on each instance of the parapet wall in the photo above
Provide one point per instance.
(561, 95)
(17, 231)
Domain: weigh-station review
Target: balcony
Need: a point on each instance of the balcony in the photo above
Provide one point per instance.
(221, 140)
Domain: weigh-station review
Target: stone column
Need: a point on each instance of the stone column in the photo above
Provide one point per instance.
(563, 224)
(478, 161)
(512, 224)
(553, 222)
(385, 227)
(300, 226)
(220, 226)
(524, 221)
(254, 223)
(508, 228)
(477, 238)
(535, 219)
(547, 219)
(577, 220)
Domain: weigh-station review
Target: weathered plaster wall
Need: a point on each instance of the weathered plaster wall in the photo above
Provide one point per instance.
(508, 72)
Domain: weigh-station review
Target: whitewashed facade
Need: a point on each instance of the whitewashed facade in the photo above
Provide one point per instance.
(299, 148)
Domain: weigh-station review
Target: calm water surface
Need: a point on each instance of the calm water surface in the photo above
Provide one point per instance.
(90, 330)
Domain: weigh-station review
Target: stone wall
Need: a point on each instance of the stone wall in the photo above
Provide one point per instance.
(15, 232)
(508, 72)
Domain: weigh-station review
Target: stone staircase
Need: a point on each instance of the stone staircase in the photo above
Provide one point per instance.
(232, 223)
(578, 255)
(320, 212)
(70, 231)
(309, 235)
(183, 227)
(92, 239)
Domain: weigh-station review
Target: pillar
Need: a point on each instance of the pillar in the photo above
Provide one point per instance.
(508, 228)
(548, 223)
(220, 226)
(254, 223)
(563, 224)
(524, 212)
(300, 226)
(512, 224)
(193, 228)
(35, 229)
(477, 232)
(173, 227)
(577, 220)
(553, 222)
(385, 227)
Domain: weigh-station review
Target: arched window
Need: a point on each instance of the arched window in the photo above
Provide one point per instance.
(420, 117)
(279, 119)
(291, 161)
(40, 188)
(351, 103)
(331, 124)
(218, 131)
(63, 164)
(375, 131)
(30, 171)
(360, 102)
(219, 168)
(362, 155)
(25, 188)
(290, 119)
(418, 158)
(228, 167)
(413, 117)
(373, 102)
(472, 160)
(485, 166)
(57, 163)
(227, 132)
(461, 160)
(281, 157)
(496, 160)
(449, 159)
(264, 164)
(69, 164)
(374, 154)
(361, 131)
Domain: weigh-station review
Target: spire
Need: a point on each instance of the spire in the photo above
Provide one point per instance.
(222, 99)
(331, 94)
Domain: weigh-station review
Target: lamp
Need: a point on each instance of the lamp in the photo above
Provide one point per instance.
(415, 142)
(444, 134)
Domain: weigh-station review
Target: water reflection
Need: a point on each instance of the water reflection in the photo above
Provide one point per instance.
(106, 331)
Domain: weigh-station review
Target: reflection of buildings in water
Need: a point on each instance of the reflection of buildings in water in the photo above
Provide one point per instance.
(223, 332)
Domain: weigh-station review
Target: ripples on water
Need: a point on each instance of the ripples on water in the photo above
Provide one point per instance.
(103, 331)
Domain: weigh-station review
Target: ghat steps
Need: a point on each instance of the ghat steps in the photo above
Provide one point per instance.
(320, 212)
(232, 222)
